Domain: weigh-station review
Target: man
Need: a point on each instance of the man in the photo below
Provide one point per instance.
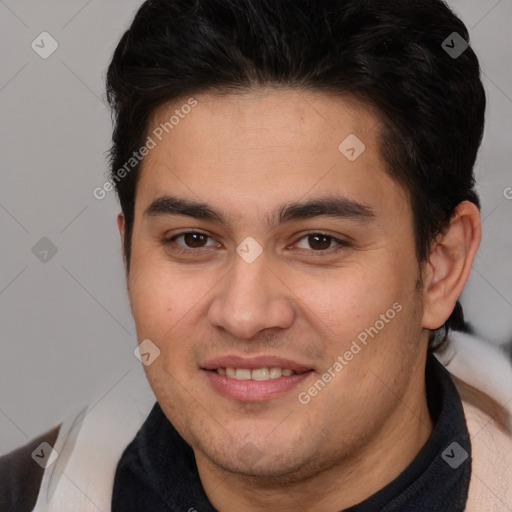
(298, 221)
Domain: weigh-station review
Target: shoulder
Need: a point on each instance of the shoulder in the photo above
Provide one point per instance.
(491, 445)
(483, 376)
(20, 475)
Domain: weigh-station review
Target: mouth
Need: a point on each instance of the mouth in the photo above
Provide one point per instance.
(252, 380)
(258, 374)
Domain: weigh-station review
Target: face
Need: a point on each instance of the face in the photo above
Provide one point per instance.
(275, 271)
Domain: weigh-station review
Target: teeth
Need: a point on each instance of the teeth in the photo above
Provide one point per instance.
(256, 374)
(275, 373)
(260, 374)
(243, 374)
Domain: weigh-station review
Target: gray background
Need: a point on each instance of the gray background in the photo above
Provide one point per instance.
(67, 335)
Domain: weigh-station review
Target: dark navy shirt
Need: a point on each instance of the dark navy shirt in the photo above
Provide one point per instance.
(157, 471)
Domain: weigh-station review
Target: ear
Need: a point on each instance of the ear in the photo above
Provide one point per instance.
(121, 226)
(449, 264)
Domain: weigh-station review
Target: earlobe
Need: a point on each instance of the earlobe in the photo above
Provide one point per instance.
(447, 270)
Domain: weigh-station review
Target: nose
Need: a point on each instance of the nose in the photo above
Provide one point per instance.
(251, 299)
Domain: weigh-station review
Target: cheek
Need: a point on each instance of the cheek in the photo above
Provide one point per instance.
(372, 305)
(149, 296)
(162, 308)
(352, 296)
(157, 300)
(168, 302)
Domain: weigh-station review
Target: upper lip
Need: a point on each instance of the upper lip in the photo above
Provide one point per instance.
(254, 363)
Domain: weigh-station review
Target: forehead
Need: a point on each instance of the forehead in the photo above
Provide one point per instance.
(247, 116)
(267, 146)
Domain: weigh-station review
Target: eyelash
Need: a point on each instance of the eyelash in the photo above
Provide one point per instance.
(340, 244)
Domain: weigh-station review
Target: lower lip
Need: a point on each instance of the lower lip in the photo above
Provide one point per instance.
(254, 390)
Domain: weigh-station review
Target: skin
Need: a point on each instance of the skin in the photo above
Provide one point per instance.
(247, 155)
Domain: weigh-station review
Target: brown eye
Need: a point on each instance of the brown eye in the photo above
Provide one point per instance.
(319, 242)
(195, 240)
(189, 240)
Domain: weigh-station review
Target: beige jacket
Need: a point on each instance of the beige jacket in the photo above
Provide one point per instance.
(483, 376)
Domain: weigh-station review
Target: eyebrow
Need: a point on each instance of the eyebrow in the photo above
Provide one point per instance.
(338, 207)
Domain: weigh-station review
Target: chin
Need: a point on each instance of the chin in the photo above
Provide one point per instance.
(252, 462)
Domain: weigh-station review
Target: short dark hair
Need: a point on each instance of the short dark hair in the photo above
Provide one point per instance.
(389, 55)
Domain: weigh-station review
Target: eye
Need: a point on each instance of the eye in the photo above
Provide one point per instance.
(320, 242)
(191, 240)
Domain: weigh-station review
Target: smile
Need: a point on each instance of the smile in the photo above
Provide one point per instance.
(259, 374)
